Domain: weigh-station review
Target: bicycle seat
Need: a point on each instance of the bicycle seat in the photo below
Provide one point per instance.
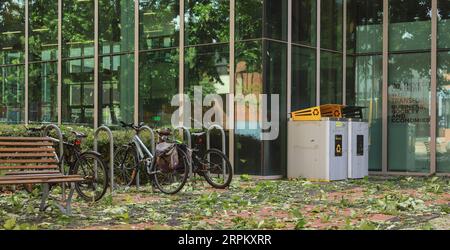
(132, 126)
(79, 134)
(198, 134)
(164, 132)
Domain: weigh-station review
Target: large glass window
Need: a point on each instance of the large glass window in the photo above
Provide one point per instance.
(159, 24)
(365, 90)
(12, 94)
(43, 30)
(364, 26)
(275, 25)
(207, 21)
(78, 28)
(116, 91)
(78, 91)
(443, 112)
(409, 112)
(303, 78)
(116, 26)
(43, 92)
(304, 22)
(409, 25)
(12, 31)
(331, 27)
(249, 80)
(330, 78)
(249, 19)
(158, 83)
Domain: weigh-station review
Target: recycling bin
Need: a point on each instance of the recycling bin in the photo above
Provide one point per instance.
(318, 150)
(358, 145)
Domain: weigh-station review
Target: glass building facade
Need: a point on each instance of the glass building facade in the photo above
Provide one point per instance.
(94, 62)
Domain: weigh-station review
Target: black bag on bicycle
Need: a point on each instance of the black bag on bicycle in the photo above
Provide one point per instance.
(167, 157)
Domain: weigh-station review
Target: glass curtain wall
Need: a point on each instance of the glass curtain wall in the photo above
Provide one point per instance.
(12, 49)
(260, 68)
(365, 69)
(443, 88)
(78, 62)
(43, 56)
(409, 82)
(159, 28)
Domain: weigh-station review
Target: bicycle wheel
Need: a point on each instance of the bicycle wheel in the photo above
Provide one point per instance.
(125, 165)
(171, 181)
(216, 169)
(93, 169)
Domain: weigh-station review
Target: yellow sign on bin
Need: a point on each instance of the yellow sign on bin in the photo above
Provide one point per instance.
(319, 112)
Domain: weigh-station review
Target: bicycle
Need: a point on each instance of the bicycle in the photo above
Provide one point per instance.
(87, 164)
(130, 157)
(213, 165)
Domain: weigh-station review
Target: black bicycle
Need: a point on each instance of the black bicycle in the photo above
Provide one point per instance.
(213, 164)
(130, 159)
(87, 164)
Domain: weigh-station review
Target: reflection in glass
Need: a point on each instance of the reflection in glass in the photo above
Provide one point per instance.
(12, 94)
(206, 21)
(249, 19)
(276, 19)
(304, 22)
(331, 25)
(249, 80)
(303, 78)
(364, 26)
(159, 24)
(443, 113)
(158, 83)
(116, 89)
(409, 112)
(330, 78)
(78, 28)
(366, 91)
(409, 25)
(78, 91)
(43, 30)
(42, 92)
(12, 31)
(116, 26)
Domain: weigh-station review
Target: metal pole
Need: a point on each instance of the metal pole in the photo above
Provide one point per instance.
(224, 144)
(111, 151)
(153, 148)
(433, 106)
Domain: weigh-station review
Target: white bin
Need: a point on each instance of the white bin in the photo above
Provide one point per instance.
(358, 153)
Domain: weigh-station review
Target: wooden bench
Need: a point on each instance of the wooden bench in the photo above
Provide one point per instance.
(33, 160)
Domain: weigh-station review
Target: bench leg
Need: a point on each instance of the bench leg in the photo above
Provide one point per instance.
(45, 193)
(67, 209)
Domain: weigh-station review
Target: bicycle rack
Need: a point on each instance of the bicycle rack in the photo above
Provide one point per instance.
(111, 151)
(187, 133)
(224, 143)
(47, 129)
(153, 148)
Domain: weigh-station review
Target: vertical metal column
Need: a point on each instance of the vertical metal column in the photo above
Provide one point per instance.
(96, 65)
(318, 26)
(26, 59)
(181, 63)
(136, 61)
(385, 86)
(289, 60)
(344, 59)
(232, 79)
(59, 94)
(433, 131)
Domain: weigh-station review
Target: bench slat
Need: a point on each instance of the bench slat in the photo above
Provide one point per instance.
(32, 172)
(26, 155)
(49, 149)
(25, 139)
(39, 177)
(29, 167)
(37, 144)
(41, 181)
(49, 160)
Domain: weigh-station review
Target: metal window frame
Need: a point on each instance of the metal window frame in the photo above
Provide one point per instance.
(318, 45)
(344, 53)
(59, 70)
(96, 64)
(232, 78)
(384, 133)
(26, 61)
(136, 61)
(433, 106)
